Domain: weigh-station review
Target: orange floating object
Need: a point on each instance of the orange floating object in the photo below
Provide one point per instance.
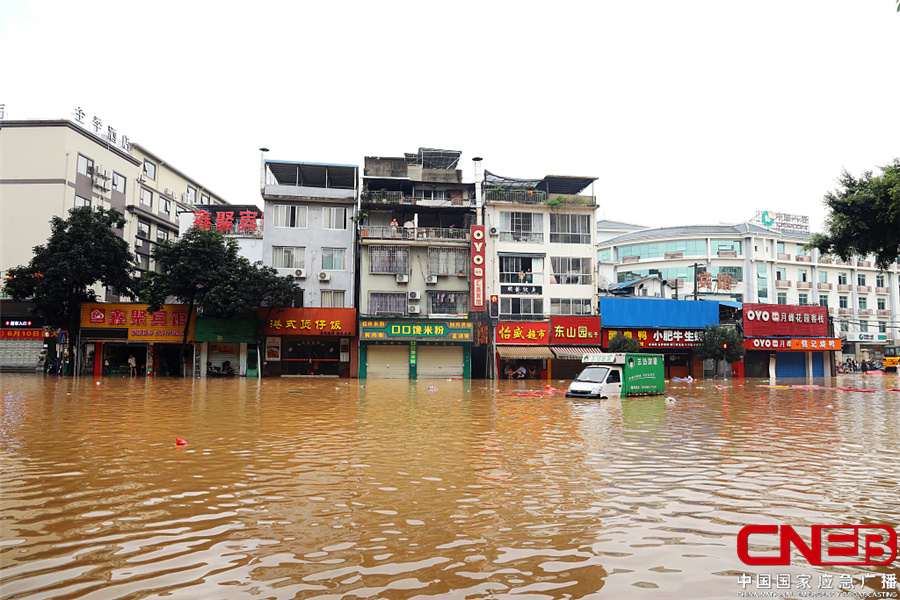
(180, 442)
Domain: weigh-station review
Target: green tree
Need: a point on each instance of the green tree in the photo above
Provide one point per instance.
(864, 217)
(620, 343)
(82, 250)
(204, 271)
(720, 343)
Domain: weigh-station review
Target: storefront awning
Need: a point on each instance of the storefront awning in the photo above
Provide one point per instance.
(525, 352)
(574, 352)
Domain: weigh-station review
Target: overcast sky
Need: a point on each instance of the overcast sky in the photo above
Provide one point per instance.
(691, 112)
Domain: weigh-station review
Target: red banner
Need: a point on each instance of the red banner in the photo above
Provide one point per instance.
(780, 319)
(793, 344)
(310, 321)
(575, 330)
(477, 268)
(21, 334)
(527, 332)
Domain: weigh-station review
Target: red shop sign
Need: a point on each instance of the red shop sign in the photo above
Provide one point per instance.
(527, 332)
(575, 330)
(762, 320)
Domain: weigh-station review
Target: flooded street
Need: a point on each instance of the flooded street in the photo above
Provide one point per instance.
(328, 488)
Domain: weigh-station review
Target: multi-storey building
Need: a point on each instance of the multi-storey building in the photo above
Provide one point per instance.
(749, 262)
(414, 294)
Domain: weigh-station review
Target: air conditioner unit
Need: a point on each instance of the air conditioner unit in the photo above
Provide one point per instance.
(323, 276)
(431, 279)
(402, 278)
(170, 192)
(300, 273)
(413, 309)
(185, 198)
(98, 181)
(415, 295)
(494, 231)
(138, 243)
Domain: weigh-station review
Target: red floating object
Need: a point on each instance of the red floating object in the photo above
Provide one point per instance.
(180, 442)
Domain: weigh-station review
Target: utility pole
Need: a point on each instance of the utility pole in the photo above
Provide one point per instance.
(696, 266)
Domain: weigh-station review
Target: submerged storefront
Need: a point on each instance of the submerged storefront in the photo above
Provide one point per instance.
(113, 333)
(421, 349)
(227, 340)
(309, 342)
(788, 341)
(523, 349)
(572, 338)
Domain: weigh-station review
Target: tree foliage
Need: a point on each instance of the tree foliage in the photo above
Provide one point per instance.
(864, 217)
(620, 343)
(204, 271)
(721, 343)
(82, 250)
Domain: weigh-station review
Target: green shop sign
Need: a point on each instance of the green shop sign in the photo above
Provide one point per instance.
(450, 331)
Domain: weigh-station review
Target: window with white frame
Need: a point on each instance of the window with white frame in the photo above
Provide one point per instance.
(333, 259)
(802, 299)
(288, 257)
(149, 170)
(862, 303)
(287, 215)
(165, 205)
(448, 303)
(801, 274)
(842, 279)
(146, 197)
(84, 165)
(879, 281)
(387, 303)
(570, 306)
(882, 327)
(334, 217)
(191, 195)
(388, 259)
(881, 304)
(118, 183)
(448, 261)
(567, 270)
(823, 276)
(162, 235)
(521, 269)
(332, 299)
(204, 198)
(522, 227)
(522, 306)
(860, 279)
(81, 201)
(143, 262)
(143, 229)
(842, 302)
(864, 326)
(426, 194)
(823, 300)
(570, 229)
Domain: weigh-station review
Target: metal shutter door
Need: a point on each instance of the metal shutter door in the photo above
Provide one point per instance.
(790, 364)
(439, 362)
(387, 362)
(21, 353)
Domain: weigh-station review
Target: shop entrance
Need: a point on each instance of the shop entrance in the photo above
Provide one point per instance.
(311, 357)
(115, 358)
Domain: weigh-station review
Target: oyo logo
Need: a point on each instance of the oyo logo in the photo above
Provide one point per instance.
(829, 544)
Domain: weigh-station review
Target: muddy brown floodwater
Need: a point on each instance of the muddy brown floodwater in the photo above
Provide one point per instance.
(326, 488)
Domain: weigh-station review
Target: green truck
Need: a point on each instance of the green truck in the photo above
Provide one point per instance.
(619, 375)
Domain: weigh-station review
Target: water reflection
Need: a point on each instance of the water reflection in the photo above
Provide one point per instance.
(326, 488)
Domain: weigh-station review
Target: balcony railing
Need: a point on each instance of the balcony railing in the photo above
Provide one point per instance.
(515, 196)
(630, 259)
(882, 290)
(823, 286)
(845, 287)
(804, 285)
(784, 256)
(439, 234)
(864, 288)
(845, 311)
(803, 258)
(863, 263)
(672, 255)
(843, 263)
(727, 253)
(399, 198)
(825, 260)
(782, 283)
(884, 312)
(863, 312)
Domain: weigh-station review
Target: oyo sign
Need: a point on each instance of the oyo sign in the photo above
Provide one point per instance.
(763, 320)
(477, 267)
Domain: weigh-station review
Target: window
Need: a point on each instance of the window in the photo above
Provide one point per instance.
(191, 195)
(521, 269)
(143, 262)
(84, 165)
(726, 246)
(782, 298)
(570, 270)
(111, 290)
(334, 217)
(842, 302)
(845, 327)
(780, 273)
(288, 257)
(823, 300)
(149, 170)
(522, 306)
(146, 197)
(879, 281)
(570, 306)
(801, 251)
(762, 282)
(861, 279)
(736, 273)
(162, 235)
(659, 250)
(165, 205)
(424, 194)
(204, 198)
(802, 299)
(284, 215)
(605, 254)
(333, 259)
(880, 303)
(801, 274)
(143, 229)
(862, 303)
(388, 259)
(570, 229)
(79, 201)
(448, 303)
(823, 276)
(521, 227)
(332, 299)
(882, 327)
(389, 303)
(864, 326)
(118, 184)
(779, 247)
(448, 261)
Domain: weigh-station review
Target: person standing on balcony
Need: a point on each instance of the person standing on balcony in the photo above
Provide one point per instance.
(394, 227)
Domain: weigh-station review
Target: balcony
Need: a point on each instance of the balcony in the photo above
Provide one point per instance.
(845, 287)
(515, 196)
(882, 290)
(883, 312)
(865, 312)
(824, 260)
(672, 255)
(832, 310)
(864, 288)
(782, 283)
(803, 258)
(804, 285)
(421, 235)
(823, 286)
(863, 263)
(843, 263)
(394, 198)
(727, 253)
(845, 311)
(630, 259)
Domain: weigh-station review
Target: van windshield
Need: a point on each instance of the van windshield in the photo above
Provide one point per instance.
(593, 374)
